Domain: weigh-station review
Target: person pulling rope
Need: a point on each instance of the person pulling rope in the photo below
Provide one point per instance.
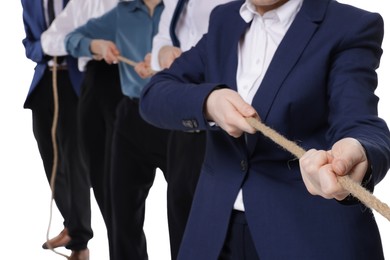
(356, 190)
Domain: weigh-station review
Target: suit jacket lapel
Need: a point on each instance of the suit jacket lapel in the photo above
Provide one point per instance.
(236, 27)
(286, 56)
(65, 2)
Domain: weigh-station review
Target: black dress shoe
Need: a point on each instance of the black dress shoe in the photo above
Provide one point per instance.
(62, 239)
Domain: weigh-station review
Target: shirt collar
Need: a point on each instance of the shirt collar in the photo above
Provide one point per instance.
(284, 13)
(133, 4)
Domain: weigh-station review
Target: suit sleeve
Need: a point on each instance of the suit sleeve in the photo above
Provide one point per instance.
(352, 100)
(31, 42)
(77, 42)
(174, 98)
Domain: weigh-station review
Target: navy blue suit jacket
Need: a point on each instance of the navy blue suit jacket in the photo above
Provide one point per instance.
(318, 89)
(35, 25)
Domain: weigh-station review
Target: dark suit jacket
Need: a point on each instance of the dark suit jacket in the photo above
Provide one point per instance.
(35, 25)
(319, 88)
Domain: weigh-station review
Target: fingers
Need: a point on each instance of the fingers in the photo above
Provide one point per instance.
(349, 158)
(318, 175)
(226, 108)
(143, 68)
(106, 50)
(235, 124)
(148, 58)
(111, 53)
(320, 169)
(244, 110)
(313, 169)
(167, 56)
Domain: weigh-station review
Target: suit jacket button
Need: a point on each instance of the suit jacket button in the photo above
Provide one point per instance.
(244, 165)
(190, 123)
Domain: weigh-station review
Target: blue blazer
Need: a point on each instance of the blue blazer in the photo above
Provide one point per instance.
(35, 25)
(318, 89)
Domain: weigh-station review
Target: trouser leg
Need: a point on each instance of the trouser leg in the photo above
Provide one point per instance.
(96, 114)
(138, 150)
(185, 158)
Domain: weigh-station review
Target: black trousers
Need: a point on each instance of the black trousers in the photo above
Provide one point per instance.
(72, 190)
(100, 95)
(185, 158)
(238, 243)
(138, 150)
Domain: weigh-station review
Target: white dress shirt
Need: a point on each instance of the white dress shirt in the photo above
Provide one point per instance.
(75, 14)
(192, 24)
(256, 49)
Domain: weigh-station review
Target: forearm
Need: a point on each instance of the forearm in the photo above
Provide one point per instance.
(78, 45)
(185, 112)
(78, 42)
(162, 38)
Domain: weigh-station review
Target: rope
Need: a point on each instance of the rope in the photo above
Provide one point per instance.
(133, 63)
(55, 153)
(359, 192)
(127, 61)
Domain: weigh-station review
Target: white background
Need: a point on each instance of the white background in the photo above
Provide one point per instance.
(24, 190)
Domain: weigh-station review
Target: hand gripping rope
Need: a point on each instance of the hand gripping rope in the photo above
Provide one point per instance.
(346, 182)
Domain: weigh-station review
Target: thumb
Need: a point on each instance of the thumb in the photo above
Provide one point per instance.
(340, 166)
(245, 109)
(347, 154)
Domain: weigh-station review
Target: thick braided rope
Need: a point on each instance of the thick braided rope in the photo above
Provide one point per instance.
(362, 194)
